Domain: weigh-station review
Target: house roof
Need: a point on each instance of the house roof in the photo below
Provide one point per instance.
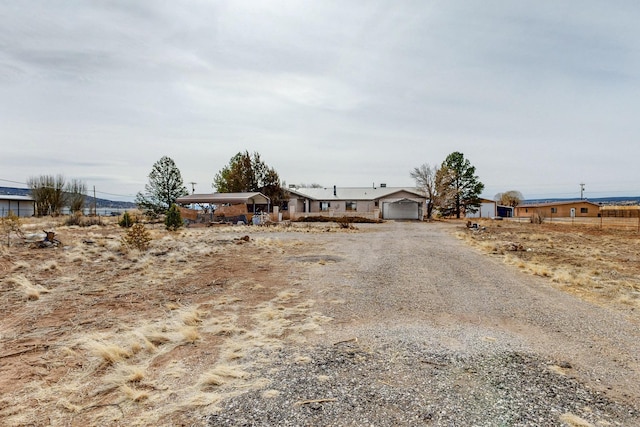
(221, 198)
(17, 198)
(558, 203)
(352, 193)
(483, 200)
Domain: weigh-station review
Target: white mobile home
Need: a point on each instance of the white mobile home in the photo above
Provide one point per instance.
(21, 206)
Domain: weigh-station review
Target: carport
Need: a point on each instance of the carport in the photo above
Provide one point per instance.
(249, 199)
(402, 209)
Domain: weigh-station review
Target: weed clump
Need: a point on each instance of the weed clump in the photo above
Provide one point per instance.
(536, 218)
(126, 221)
(137, 237)
(82, 221)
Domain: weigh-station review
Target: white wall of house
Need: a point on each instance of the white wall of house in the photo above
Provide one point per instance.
(364, 202)
(486, 210)
(20, 207)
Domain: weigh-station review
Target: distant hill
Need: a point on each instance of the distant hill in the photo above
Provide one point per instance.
(622, 200)
(100, 203)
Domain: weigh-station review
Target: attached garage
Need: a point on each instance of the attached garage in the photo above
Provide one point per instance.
(402, 209)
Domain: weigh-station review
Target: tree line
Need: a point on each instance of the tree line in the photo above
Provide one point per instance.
(245, 173)
(452, 187)
(53, 193)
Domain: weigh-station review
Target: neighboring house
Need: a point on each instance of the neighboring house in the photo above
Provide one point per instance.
(21, 206)
(487, 209)
(563, 209)
(505, 211)
(368, 202)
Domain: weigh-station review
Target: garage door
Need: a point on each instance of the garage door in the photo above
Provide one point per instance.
(403, 209)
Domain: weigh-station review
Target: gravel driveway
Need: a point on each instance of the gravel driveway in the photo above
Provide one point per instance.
(426, 331)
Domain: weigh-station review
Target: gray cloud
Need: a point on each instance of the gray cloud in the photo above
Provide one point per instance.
(538, 96)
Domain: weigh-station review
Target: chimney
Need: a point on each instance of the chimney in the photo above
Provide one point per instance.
(334, 191)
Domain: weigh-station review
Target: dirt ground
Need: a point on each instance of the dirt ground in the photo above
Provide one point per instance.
(94, 333)
(598, 265)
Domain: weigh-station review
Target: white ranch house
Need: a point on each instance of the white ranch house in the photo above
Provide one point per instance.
(393, 203)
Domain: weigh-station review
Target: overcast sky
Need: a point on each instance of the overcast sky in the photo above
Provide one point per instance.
(539, 96)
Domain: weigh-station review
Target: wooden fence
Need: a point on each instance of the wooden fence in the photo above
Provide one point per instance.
(603, 222)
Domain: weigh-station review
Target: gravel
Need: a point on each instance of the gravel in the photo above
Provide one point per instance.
(429, 332)
(404, 384)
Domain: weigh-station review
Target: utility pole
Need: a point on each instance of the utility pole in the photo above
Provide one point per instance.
(582, 191)
(193, 187)
(95, 202)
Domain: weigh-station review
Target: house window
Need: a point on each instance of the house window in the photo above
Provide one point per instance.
(324, 206)
(351, 206)
(554, 210)
(584, 210)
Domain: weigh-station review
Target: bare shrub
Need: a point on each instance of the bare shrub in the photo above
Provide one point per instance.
(345, 222)
(11, 224)
(82, 221)
(536, 218)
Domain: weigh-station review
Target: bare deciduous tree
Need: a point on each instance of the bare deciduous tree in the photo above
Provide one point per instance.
(509, 198)
(425, 177)
(48, 193)
(75, 195)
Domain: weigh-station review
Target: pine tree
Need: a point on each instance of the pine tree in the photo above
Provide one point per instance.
(164, 187)
(458, 186)
(126, 220)
(173, 221)
(248, 173)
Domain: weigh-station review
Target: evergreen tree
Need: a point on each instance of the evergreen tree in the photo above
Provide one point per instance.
(164, 187)
(247, 173)
(126, 220)
(173, 221)
(458, 186)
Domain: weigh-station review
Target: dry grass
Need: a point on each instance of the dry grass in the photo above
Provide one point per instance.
(597, 265)
(144, 338)
(108, 352)
(30, 291)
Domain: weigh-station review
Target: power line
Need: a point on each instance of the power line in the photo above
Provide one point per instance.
(13, 182)
(100, 192)
(113, 194)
